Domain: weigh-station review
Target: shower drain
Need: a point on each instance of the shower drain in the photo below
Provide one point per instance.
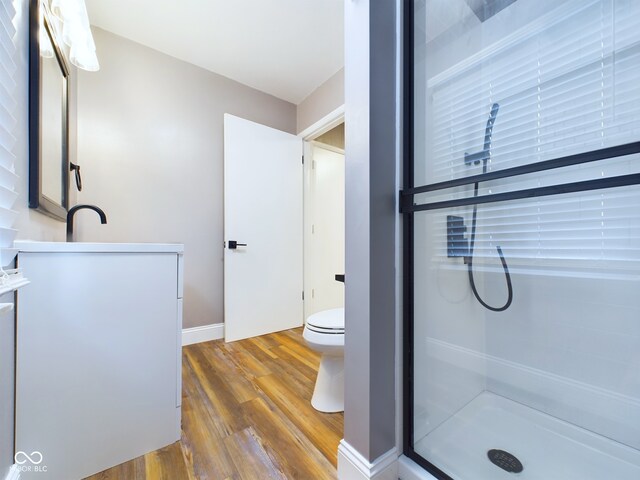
(505, 460)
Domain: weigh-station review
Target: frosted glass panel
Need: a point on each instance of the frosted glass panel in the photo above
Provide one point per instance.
(564, 75)
(526, 312)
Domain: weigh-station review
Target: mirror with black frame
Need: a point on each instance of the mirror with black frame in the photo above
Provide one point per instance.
(48, 116)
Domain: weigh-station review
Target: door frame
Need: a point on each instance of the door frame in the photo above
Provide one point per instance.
(326, 123)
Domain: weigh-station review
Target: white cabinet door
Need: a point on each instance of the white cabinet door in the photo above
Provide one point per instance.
(96, 359)
(7, 349)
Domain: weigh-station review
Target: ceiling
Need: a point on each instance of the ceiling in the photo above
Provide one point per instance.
(286, 48)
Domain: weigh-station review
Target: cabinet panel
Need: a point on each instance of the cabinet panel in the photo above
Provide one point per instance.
(6, 383)
(180, 276)
(96, 359)
(179, 354)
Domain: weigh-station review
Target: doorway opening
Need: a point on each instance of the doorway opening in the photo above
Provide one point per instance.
(324, 218)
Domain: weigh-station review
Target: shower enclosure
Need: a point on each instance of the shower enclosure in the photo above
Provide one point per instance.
(521, 209)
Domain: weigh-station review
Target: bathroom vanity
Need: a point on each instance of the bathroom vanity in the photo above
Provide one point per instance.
(98, 374)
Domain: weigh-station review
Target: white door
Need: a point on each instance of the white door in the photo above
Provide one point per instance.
(263, 216)
(327, 230)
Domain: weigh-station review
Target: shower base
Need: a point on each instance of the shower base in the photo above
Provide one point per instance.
(549, 448)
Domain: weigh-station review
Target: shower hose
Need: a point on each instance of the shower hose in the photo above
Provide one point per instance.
(505, 267)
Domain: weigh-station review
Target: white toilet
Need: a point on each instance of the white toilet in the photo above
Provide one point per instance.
(324, 333)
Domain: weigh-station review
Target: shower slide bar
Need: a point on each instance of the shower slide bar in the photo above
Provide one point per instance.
(407, 195)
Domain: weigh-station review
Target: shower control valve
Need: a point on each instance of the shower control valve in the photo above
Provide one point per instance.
(457, 244)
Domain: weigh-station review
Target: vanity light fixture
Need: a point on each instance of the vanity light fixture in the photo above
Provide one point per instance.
(76, 33)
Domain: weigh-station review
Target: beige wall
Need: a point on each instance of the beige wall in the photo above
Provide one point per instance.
(372, 254)
(150, 130)
(333, 138)
(322, 101)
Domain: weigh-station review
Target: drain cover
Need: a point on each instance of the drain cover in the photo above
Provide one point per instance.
(505, 460)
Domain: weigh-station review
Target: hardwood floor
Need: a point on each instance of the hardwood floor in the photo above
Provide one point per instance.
(246, 414)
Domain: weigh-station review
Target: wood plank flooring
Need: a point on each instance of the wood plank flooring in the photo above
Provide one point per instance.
(246, 415)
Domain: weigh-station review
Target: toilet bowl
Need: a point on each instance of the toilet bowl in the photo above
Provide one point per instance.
(324, 333)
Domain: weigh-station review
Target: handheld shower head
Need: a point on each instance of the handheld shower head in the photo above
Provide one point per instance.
(489, 130)
(484, 154)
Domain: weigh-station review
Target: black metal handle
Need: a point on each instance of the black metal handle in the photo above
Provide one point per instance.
(76, 168)
(234, 244)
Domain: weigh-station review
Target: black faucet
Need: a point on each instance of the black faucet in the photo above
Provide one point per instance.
(72, 211)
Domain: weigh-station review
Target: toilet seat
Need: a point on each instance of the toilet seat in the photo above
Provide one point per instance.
(329, 322)
(325, 331)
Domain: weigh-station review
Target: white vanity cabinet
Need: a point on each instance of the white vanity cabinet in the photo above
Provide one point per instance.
(98, 354)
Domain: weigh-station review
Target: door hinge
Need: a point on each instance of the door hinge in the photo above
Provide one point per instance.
(303, 159)
(303, 295)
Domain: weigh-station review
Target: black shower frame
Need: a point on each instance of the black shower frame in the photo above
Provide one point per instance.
(408, 208)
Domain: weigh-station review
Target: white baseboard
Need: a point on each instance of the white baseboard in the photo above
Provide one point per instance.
(13, 474)
(409, 470)
(353, 466)
(204, 333)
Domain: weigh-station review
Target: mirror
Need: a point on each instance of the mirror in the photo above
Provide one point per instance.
(48, 116)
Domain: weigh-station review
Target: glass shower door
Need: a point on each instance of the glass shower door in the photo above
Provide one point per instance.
(522, 239)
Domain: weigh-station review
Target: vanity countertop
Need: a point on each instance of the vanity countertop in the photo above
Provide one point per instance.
(86, 247)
